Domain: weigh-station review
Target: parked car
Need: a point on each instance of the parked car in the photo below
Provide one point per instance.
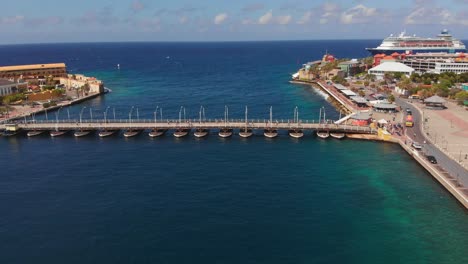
(416, 146)
(431, 159)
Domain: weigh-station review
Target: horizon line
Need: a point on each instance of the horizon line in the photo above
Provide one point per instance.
(181, 41)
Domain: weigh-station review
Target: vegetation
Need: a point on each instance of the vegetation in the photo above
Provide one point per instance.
(8, 99)
(391, 98)
(461, 97)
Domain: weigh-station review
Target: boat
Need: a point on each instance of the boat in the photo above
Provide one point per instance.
(225, 132)
(323, 134)
(296, 133)
(57, 133)
(34, 133)
(337, 135)
(270, 133)
(132, 132)
(157, 132)
(201, 132)
(7, 133)
(181, 132)
(82, 133)
(245, 132)
(107, 133)
(444, 42)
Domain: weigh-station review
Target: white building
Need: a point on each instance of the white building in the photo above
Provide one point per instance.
(390, 67)
(456, 67)
(8, 87)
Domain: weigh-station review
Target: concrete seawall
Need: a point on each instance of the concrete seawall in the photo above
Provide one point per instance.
(344, 106)
(461, 194)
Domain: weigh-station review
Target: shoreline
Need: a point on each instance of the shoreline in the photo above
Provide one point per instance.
(448, 182)
(53, 108)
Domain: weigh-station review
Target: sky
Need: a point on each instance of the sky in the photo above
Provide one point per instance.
(43, 21)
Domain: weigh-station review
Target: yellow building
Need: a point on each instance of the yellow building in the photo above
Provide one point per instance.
(77, 81)
(34, 71)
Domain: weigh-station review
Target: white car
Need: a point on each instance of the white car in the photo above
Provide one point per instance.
(416, 146)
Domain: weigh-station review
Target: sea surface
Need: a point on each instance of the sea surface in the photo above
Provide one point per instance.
(213, 200)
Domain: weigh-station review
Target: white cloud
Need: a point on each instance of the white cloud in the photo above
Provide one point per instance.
(305, 18)
(220, 18)
(266, 18)
(435, 16)
(358, 14)
(283, 20)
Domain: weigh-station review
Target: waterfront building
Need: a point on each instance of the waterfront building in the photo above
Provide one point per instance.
(78, 81)
(34, 71)
(8, 87)
(351, 67)
(390, 67)
(456, 67)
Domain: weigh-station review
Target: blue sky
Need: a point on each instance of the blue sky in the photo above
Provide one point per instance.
(31, 21)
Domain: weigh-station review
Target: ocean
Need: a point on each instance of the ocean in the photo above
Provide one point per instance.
(213, 200)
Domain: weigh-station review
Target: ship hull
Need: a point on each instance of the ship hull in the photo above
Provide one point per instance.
(375, 51)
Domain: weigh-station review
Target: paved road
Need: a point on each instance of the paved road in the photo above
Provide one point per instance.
(448, 164)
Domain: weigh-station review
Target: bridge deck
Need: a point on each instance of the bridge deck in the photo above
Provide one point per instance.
(174, 124)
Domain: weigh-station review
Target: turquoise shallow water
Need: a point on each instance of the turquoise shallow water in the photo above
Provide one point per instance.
(170, 200)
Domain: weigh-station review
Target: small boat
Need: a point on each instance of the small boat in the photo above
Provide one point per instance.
(270, 133)
(225, 132)
(157, 132)
(181, 132)
(57, 133)
(82, 133)
(245, 133)
(296, 133)
(107, 133)
(323, 134)
(337, 135)
(9, 133)
(132, 133)
(201, 132)
(34, 133)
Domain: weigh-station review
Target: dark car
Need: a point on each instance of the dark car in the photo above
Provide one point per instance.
(432, 159)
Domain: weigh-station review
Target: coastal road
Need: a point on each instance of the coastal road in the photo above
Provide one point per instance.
(416, 134)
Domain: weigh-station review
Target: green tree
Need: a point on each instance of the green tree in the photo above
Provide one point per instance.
(391, 98)
(461, 97)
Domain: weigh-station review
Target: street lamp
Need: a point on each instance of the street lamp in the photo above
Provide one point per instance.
(105, 114)
(130, 115)
(57, 114)
(81, 113)
(155, 113)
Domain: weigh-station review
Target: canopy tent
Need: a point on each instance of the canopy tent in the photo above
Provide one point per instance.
(339, 86)
(434, 100)
(348, 93)
(385, 106)
(382, 121)
(359, 99)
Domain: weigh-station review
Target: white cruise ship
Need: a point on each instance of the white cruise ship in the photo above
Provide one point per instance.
(444, 42)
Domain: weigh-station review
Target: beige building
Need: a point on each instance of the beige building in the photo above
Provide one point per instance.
(77, 81)
(33, 71)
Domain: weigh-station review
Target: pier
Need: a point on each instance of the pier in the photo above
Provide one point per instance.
(151, 125)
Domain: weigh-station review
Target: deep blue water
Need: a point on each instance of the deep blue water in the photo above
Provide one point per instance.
(167, 200)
